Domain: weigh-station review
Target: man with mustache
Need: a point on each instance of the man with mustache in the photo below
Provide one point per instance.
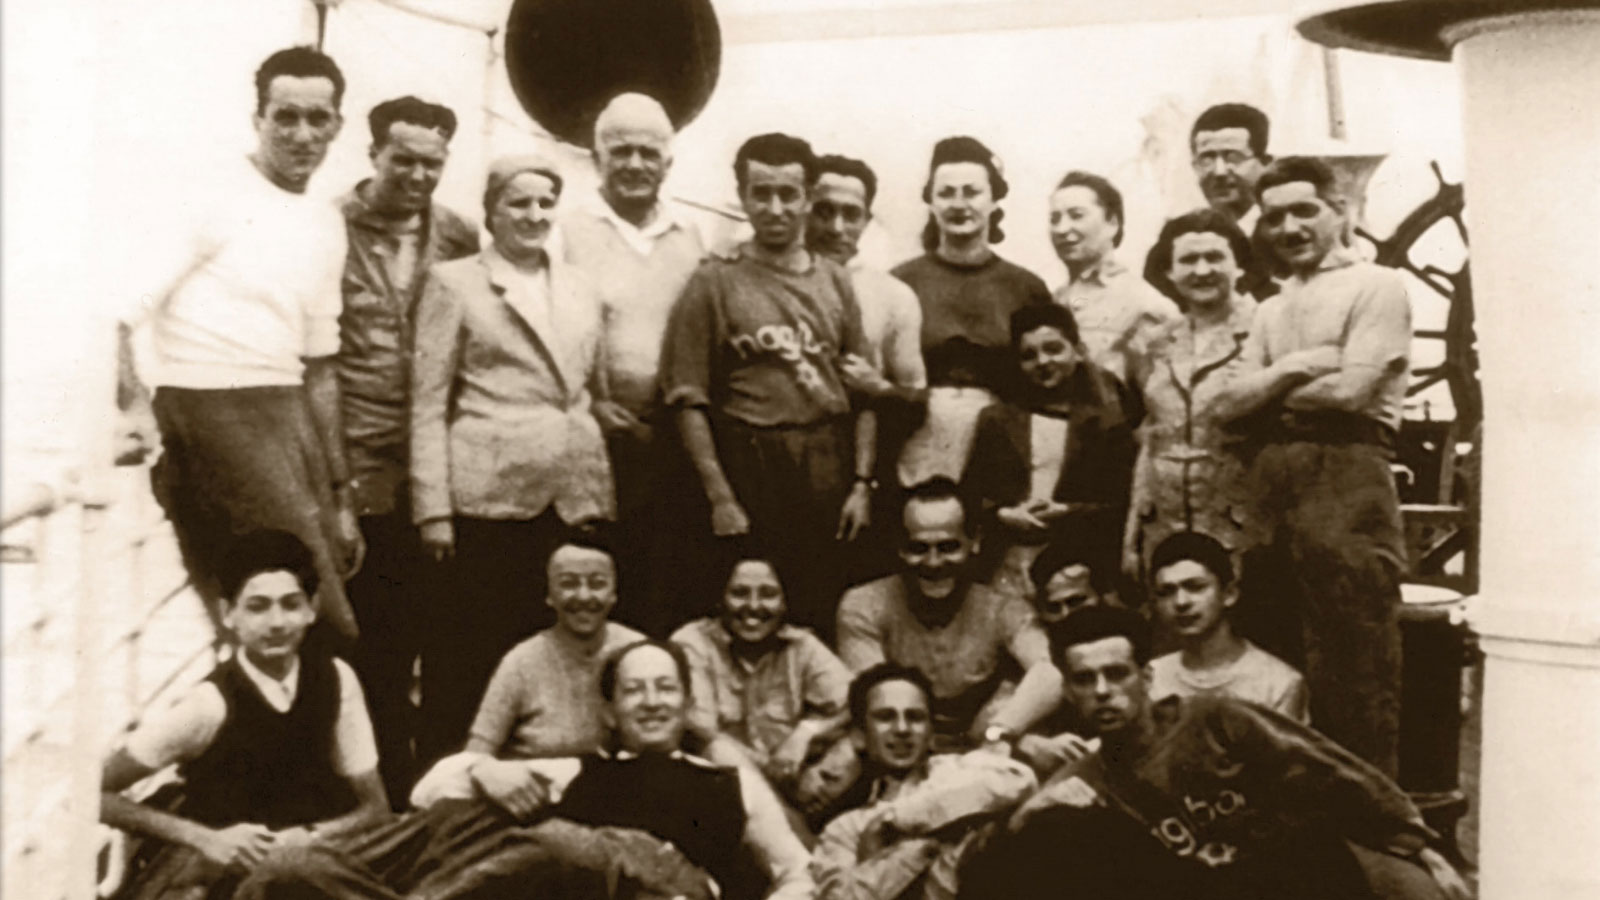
(1328, 361)
(242, 308)
(973, 643)
(642, 815)
(639, 253)
(751, 365)
(396, 233)
(1202, 798)
(924, 810)
(773, 691)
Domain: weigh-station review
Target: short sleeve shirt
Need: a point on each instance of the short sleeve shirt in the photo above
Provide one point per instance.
(760, 704)
(1359, 307)
(183, 731)
(1256, 676)
(989, 631)
(761, 344)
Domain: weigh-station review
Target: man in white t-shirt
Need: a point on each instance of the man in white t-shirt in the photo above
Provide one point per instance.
(275, 747)
(1194, 589)
(243, 316)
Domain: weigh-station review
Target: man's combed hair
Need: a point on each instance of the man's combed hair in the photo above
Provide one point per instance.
(850, 167)
(266, 551)
(1309, 169)
(1194, 546)
(412, 111)
(1235, 115)
(297, 62)
(608, 669)
(775, 149)
(1096, 623)
(882, 673)
(1075, 543)
(1105, 192)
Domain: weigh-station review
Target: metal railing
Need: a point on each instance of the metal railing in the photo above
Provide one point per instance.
(89, 646)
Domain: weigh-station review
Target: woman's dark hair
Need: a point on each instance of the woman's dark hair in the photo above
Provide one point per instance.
(1204, 220)
(268, 550)
(1105, 192)
(1044, 315)
(963, 149)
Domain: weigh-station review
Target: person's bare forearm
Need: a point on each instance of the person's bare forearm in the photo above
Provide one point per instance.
(1036, 696)
(866, 443)
(702, 449)
(121, 813)
(371, 803)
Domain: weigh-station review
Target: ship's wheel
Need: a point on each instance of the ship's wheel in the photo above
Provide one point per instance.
(1441, 442)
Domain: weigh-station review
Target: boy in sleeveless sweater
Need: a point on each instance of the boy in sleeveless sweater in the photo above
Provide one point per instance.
(275, 747)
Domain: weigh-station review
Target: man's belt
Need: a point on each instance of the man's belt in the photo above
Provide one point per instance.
(1331, 427)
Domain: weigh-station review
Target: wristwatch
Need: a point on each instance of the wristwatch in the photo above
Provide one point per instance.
(869, 481)
(998, 734)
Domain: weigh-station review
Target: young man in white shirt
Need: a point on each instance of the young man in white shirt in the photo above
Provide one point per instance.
(1194, 592)
(242, 307)
(274, 747)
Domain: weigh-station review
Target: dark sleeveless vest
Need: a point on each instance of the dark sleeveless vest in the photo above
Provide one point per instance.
(695, 806)
(268, 767)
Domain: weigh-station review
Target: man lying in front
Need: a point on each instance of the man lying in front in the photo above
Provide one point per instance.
(645, 814)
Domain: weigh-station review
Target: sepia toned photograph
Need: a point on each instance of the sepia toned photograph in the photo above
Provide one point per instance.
(800, 450)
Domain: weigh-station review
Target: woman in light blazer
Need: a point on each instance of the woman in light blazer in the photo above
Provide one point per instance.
(506, 454)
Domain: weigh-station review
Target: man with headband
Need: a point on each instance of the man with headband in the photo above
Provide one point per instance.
(639, 255)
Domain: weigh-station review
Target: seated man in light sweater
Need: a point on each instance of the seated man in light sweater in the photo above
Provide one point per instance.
(923, 812)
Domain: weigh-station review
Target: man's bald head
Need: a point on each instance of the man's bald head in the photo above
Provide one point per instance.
(632, 139)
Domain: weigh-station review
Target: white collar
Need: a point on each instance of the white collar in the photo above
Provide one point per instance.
(641, 239)
(279, 695)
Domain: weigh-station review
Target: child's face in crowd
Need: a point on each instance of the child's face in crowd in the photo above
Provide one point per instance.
(1047, 358)
(1190, 600)
(583, 589)
(752, 603)
(269, 618)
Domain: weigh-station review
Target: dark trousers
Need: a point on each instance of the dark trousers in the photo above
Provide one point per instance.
(1337, 554)
(392, 596)
(491, 596)
(792, 482)
(642, 469)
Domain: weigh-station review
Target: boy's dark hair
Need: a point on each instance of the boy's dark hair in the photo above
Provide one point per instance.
(268, 550)
(1044, 315)
(1105, 192)
(775, 149)
(1096, 623)
(608, 669)
(883, 672)
(940, 487)
(413, 111)
(850, 167)
(1194, 547)
(1291, 169)
(1235, 115)
(297, 62)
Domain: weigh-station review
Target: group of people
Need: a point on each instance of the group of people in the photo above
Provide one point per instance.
(592, 560)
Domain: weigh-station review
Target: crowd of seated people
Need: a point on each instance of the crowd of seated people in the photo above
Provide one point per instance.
(749, 571)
